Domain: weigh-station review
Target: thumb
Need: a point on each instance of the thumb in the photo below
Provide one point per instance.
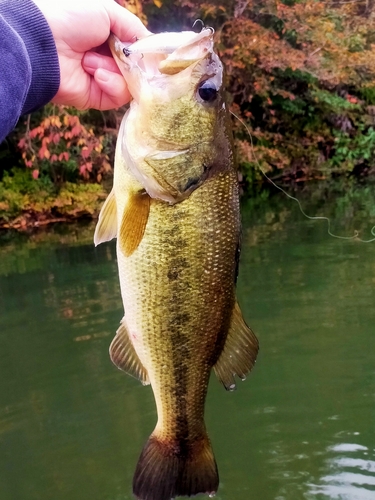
(115, 92)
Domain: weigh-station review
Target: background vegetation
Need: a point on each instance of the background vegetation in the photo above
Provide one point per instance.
(300, 74)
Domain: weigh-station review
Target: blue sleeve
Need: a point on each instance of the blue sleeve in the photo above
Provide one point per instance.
(29, 66)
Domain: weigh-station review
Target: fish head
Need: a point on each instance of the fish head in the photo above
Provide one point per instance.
(174, 136)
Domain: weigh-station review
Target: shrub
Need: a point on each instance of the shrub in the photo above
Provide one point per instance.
(62, 148)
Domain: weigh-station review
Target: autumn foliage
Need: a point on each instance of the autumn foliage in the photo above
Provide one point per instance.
(63, 147)
(299, 74)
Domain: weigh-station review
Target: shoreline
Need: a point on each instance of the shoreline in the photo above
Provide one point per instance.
(73, 203)
(29, 221)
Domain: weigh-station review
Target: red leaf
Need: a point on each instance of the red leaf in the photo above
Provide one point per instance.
(85, 152)
(41, 152)
(76, 130)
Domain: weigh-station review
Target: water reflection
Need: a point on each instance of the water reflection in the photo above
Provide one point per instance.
(350, 474)
(302, 426)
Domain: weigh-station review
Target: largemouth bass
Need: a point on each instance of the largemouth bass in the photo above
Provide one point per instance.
(174, 209)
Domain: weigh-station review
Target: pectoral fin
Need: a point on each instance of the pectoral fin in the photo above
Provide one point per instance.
(123, 355)
(239, 353)
(106, 228)
(134, 222)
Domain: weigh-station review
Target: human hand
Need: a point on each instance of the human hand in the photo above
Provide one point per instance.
(88, 77)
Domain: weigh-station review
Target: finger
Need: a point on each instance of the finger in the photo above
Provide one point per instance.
(115, 93)
(125, 25)
(92, 61)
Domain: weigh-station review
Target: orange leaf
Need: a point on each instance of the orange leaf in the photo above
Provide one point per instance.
(36, 131)
(73, 120)
(55, 120)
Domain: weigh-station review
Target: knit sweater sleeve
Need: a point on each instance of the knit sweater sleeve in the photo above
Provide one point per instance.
(29, 66)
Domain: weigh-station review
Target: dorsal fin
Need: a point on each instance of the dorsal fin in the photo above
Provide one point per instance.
(239, 353)
(123, 355)
(106, 228)
(134, 220)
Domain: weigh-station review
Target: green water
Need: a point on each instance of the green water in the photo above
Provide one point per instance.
(302, 426)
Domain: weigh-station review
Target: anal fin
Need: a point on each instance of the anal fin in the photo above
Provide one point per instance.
(123, 355)
(239, 354)
(134, 221)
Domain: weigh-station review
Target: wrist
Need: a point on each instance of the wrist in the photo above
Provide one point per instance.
(36, 35)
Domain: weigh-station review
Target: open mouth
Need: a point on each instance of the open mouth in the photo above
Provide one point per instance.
(163, 53)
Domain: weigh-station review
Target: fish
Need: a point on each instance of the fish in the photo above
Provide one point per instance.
(174, 209)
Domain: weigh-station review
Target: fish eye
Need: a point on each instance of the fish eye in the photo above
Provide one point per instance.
(207, 91)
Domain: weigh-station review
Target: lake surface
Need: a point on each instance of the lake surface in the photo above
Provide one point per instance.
(302, 426)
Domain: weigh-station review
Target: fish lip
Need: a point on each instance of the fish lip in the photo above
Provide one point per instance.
(129, 55)
(117, 49)
(151, 44)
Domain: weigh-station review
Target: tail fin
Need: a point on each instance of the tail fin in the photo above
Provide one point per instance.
(166, 470)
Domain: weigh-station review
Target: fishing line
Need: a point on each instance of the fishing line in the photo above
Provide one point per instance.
(311, 217)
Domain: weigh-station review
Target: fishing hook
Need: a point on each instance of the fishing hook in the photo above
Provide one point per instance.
(199, 21)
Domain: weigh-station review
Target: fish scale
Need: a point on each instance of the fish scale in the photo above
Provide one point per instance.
(178, 312)
(180, 334)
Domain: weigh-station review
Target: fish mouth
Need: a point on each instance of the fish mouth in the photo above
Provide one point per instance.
(159, 55)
